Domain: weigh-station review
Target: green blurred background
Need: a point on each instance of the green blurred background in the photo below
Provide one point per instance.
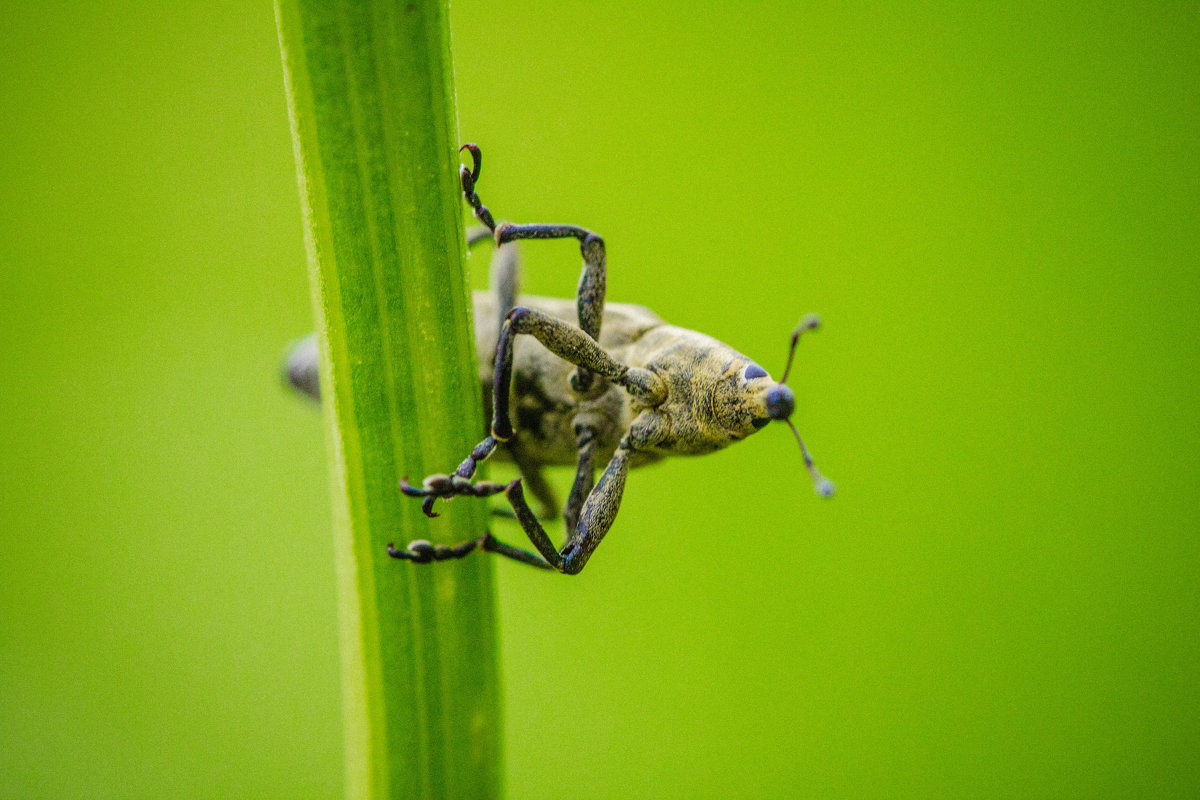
(994, 209)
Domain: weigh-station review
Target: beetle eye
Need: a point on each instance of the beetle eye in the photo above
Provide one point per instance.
(755, 371)
(760, 422)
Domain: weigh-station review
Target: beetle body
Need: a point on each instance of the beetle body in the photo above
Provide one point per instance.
(707, 407)
(584, 383)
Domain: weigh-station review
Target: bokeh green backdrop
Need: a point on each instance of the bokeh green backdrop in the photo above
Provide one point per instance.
(995, 210)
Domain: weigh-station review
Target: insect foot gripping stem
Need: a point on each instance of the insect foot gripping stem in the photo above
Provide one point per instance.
(448, 486)
(420, 551)
(468, 178)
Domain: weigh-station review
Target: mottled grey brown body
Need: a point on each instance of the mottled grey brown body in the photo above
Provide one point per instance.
(584, 383)
(707, 406)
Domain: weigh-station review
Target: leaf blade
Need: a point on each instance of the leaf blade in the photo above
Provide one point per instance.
(371, 100)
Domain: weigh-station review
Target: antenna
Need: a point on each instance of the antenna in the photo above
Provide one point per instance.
(821, 484)
(810, 323)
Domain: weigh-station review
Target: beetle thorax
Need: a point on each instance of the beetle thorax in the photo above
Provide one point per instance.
(709, 404)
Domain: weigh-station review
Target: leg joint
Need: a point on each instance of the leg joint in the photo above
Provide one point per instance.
(592, 247)
(518, 314)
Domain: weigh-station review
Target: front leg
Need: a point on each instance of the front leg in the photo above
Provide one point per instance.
(572, 345)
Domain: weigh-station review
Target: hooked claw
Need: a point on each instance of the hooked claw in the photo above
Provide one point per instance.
(476, 158)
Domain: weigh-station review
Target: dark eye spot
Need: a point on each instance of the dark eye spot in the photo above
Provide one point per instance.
(760, 422)
(755, 371)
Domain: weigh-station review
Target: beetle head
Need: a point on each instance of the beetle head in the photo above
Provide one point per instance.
(780, 402)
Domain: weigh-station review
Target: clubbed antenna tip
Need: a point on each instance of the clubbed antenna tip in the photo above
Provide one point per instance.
(822, 485)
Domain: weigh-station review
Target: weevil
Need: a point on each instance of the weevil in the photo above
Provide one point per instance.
(620, 387)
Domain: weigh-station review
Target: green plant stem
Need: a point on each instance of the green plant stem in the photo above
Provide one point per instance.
(371, 101)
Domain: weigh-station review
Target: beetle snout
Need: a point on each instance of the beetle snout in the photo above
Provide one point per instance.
(780, 402)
